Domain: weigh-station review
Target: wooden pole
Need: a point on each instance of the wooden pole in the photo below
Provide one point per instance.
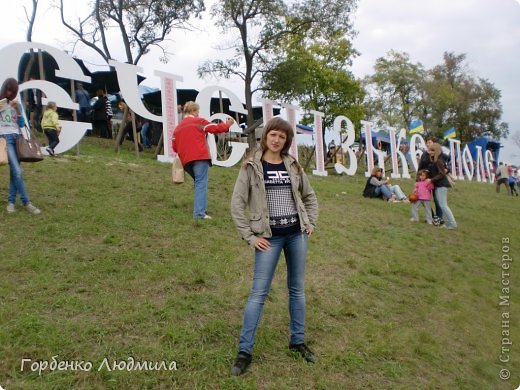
(159, 146)
(121, 127)
(74, 112)
(134, 129)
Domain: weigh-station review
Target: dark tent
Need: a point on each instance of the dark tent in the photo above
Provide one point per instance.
(32, 69)
(186, 95)
(107, 81)
(183, 96)
(485, 143)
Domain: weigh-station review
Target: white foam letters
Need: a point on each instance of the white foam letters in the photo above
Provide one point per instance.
(395, 152)
(467, 163)
(367, 128)
(291, 118)
(68, 68)
(345, 146)
(238, 148)
(318, 132)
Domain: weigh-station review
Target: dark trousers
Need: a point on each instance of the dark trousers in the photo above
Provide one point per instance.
(102, 128)
(52, 137)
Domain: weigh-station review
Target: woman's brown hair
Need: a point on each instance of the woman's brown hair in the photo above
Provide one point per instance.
(282, 125)
(11, 85)
(285, 127)
(436, 149)
(375, 170)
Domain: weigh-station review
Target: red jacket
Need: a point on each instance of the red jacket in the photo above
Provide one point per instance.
(189, 138)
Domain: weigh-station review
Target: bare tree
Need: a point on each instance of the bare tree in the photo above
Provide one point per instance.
(31, 19)
(142, 24)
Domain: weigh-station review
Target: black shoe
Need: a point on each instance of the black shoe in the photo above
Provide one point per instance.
(306, 353)
(241, 363)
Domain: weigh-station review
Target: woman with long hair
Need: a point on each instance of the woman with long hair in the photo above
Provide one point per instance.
(10, 114)
(274, 208)
(379, 187)
(439, 178)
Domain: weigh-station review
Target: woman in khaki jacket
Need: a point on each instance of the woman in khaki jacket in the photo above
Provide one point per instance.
(274, 208)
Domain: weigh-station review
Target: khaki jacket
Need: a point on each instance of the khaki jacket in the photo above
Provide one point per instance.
(249, 208)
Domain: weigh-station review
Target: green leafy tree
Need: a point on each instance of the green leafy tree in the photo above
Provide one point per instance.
(395, 92)
(454, 98)
(443, 97)
(260, 26)
(142, 24)
(316, 75)
(266, 30)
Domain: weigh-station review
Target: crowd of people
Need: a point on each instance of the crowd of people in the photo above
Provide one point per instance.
(97, 110)
(432, 183)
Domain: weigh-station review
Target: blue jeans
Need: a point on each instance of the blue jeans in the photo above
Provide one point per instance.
(198, 170)
(397, 191)
(16, 184)
(144, 134)
(294, 247)
(387, 190)
(441, 194)
(382, 191)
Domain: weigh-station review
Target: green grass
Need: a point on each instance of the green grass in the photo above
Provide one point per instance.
(116, 267)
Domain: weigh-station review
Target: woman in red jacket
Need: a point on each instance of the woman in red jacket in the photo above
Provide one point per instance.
(189, 142)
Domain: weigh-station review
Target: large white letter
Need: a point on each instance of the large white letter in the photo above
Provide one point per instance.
(416, 151)
(127, 80)
(394, 150)
(367, 126)
(267, 109)
(467, 162)
(68, 68)
(318, 131)
(489, 164)
(481, 170)
(291, 118)
(238, 148)
(345, 145)
(170, 117)
(456, 159)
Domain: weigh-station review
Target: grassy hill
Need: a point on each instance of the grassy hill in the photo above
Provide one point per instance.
(116, 269)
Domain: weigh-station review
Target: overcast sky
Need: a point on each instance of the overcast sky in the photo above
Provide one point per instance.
(488, 31)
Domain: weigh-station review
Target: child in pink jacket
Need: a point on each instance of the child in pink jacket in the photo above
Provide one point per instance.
(423, 189)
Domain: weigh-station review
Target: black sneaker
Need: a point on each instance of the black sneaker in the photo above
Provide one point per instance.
(306, 353)
(241, 363)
